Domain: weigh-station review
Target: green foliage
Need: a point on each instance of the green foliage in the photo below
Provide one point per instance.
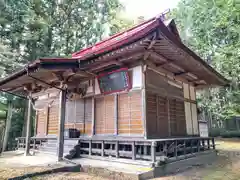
(212, 29)
(218, 132)
(215, 132)
(230, 134)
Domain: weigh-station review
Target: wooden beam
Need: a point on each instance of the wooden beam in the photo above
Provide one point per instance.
(199, 81)
(103, 65)
(187, 74)
(28, 133)
(62, 110)
(166, 73)
(58, 75)
(153, 41)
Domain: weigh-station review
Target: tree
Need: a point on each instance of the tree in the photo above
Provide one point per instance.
(211, 28)
(41, 28)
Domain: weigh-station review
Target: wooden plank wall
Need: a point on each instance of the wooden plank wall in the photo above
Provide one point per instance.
(190, 109)
(157, 115)
(79, 115)
(165, 107)
(41, 118)
(52, 127)
(104, 123)
(130, 114)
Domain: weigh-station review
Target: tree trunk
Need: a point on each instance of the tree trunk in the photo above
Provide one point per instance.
(8, 126)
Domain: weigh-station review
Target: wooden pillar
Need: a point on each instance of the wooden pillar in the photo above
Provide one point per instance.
(144, 110)
(25, 120)
(28, 131)
(8, 125)
(116, 113)
(93, 116)
(168, 116)
(62, 108)
(47, 120)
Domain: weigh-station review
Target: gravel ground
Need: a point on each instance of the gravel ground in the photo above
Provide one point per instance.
(226, 167)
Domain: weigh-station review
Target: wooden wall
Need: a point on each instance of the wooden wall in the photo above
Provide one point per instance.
(190, 109)
(165, 114)
(79, 115)
(41, 118)
(130, 121)
(104, 121)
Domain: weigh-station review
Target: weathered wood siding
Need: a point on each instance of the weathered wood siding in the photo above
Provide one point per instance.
(104, 115)
(157, 115)
(53, 119)
(88, 116)
(190, 109)
(165, 114)
(79, 115)
(41, 118)
(177, 117)
(130, 114)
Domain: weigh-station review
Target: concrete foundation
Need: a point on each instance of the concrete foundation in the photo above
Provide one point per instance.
(115, 170)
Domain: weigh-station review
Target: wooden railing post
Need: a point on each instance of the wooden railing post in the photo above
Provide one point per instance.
(17, 143)
(213, 143)
(203, 143)
(175, 149)
(198, 145)
(116, 149)
(184, 148)
(191, 141)
(102, 152)
(34, 144)
(133, 151)
(208, 144)
(153, 151)
(90, 148)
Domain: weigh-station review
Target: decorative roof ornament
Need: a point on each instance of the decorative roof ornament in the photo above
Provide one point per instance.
(163, 15)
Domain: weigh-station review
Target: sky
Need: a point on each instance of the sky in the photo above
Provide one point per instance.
(147, 8)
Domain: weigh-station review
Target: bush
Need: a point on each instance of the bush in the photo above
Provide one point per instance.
(230, 134)
(215, 132)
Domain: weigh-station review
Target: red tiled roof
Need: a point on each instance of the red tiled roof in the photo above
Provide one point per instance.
(118, 39)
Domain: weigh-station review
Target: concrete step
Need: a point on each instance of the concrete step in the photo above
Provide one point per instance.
(54, 150)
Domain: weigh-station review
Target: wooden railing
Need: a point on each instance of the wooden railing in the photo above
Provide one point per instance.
(159, 150)
(153, 151)
(35, 142)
